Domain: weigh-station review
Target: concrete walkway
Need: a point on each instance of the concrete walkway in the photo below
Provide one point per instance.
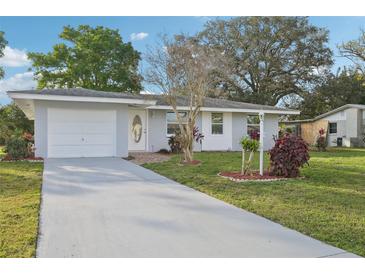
(108, 207)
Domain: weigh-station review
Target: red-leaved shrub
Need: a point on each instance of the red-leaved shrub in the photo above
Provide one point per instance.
(321, 142)
(288, 155)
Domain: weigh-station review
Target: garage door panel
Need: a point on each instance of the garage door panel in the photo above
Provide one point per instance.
(65, 139)
(99, 139)
(81, 133)
(66, 151)
(97, 128)
(65, 128)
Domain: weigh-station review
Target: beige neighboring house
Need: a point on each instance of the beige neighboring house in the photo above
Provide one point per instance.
(345, 126)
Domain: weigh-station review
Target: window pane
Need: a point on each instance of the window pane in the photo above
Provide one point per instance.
(217, 129)
(217, 118)
(172, 128)
(253, 132)
(253, 120)
(171, 116)
(333, 127)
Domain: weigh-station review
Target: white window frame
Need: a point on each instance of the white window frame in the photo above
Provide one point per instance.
(173, 123)
(252, 125)
(211, 123)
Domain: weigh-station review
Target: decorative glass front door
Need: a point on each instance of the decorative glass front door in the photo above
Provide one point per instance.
(137, 130)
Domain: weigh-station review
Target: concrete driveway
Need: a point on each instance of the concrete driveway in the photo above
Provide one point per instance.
(108, 207)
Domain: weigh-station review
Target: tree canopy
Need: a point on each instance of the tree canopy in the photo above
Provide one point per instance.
(181, 67)
(345, 87)
(355, 51)
(3, 43)
(13, 120)
(95, 58)
(268, 58)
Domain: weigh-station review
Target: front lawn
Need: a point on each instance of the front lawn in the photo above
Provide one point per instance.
(20, 185)
(328, 204)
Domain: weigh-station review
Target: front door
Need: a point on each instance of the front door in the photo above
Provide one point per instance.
(137, 130)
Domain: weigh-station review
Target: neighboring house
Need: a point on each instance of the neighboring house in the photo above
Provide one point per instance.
(87, 123)
(345, 126)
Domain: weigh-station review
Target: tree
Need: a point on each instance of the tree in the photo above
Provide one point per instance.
(13, 121)
(355, 51)
(268, 58)
(3, 43)
(347, 86)
(95, 58)
(180, 68)
(248, 145)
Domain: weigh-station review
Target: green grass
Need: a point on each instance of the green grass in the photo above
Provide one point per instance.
(20, 185)
(328, 204)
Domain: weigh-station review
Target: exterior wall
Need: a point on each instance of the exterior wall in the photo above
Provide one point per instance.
(157, 131)
(157, 138)
(217, 142)
(340, 119)
(309, 131)
(40, 129)
(349, 128)
(353, 127)
(271, 130)
(239, 129)
(234, 127)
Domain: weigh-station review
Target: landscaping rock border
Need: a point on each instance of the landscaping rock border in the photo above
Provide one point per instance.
(248, 179)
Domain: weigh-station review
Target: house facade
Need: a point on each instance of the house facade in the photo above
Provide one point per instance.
(87, 123)
(345, 126)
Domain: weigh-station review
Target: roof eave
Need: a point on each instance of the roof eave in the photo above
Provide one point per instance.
(240, 110)
(48, 97)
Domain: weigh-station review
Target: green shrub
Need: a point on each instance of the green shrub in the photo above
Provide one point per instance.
(249, 145)
(175, 143)
(17, 148)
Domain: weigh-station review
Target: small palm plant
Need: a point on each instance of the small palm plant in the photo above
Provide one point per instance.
(251, 146)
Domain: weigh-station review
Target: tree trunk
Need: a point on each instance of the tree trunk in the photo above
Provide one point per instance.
(248, 167)
(187, 144)
(243, 162)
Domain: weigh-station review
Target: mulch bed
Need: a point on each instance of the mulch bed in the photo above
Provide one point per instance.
(28, 159)
(254, 176)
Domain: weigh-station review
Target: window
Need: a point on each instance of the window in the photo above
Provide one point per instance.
(217, 123)
(333, 127)
(172, 122)
(253, 126)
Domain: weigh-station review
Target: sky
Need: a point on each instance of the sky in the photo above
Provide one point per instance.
(39, 34)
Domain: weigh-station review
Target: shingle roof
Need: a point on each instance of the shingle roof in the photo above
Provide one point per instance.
(160, 100)
(213, 103)
(80, 92)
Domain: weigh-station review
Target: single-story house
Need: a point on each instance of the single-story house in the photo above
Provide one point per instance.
(79, 122)
(345, 126)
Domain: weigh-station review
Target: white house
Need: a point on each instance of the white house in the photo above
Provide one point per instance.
(345, 126)
(87, 123)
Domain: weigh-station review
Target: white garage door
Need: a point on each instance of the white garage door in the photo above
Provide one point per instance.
(81, 133)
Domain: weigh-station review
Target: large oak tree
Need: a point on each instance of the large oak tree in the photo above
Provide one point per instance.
(95, 58)
(268, 58)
